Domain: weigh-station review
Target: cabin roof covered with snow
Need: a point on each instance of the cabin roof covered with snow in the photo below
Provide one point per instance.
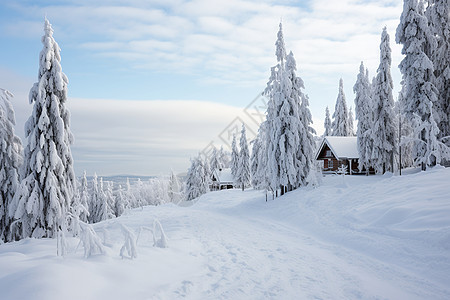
(223, 176)
(341, 146)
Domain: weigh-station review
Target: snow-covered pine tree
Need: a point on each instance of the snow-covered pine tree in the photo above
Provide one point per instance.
(94, 202)
(110, 199)
(258, 159)
(384, 128)
(438, 14)
(364, 115)
(102, 212)
(130, 195)
(350, 122)
(243, 170)
(174, 188)
(405, 136)
(224, 158)
(327, 123)
(279, 146)
(48, 182)
(418, 91)
(10, 161)
(303, 132)
(197, 179)
(275, 92)
(84, 199)
(256, 148)
(340, 115)
(121, 202)
(234, 158)
(214, 162)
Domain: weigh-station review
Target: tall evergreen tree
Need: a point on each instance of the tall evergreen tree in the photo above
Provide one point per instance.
(197, 179)
(102, 212)
(418, 91)
(84, 199)
(438, 14)
(364, 115)
(350, 122)
(327, 123)
(224, 158)
(384, 130)
(215, 162)
(340, 115)
(174, 188)
(120, 202)
(48, 182)
(305, 151)
(110, 199)
(10, 161)
(243, 170)
(276, 91)
(287, 126)
(93, 203)
(258, 160)
(234, 158)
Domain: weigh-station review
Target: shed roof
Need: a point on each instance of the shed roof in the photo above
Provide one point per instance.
(341, 146)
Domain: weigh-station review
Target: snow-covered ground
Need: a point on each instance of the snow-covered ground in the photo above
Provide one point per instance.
(376, 237)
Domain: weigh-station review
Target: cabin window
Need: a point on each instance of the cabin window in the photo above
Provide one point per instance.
(328, 153)
(330, 163)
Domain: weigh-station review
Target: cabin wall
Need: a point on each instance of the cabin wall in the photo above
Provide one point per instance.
(332, 164)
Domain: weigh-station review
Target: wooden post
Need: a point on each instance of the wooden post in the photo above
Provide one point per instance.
(350, 166)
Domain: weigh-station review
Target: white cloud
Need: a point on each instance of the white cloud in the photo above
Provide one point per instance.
(144, 137)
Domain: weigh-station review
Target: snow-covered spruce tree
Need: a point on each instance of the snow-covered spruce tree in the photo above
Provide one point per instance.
(234, 158)
(48, 180)
(438, 14)
(281, 121)
(94, 201)
(102, 211)
(276, 90)
(288, 132)
(258, 160)
(10, 161)
(350, 122)
(110, 199)
(130, 195)
(327, 123)
(405, 136)
(364, 115)
(174, 188)
(243, 170)
(384, 128)
(418, 91)
(84, 198)
(214, 162)
(340, 115)
(304, 157)
(120, 202)
(197, 179)
(224, 158)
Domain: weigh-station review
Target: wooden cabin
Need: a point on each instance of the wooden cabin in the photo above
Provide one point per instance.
(335, 151)
(221, 179)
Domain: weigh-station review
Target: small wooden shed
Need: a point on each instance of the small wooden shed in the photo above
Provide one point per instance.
(335, 151)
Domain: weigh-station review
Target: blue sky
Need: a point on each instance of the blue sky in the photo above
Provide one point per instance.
(152, 83)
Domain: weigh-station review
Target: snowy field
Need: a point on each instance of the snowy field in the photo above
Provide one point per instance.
(377, 237)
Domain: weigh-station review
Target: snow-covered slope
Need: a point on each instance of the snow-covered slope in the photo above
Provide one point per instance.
(376, 237)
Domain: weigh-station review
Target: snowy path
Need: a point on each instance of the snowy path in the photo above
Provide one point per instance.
(367, 238)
